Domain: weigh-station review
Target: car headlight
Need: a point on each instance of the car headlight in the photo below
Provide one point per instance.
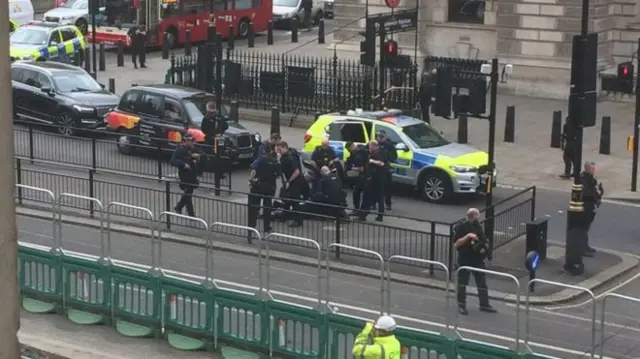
(83, 108)
(257, 137)
(286, 16)
(463, 169)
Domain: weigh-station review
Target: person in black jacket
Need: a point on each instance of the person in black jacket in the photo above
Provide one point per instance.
(264, 173)
(187, 159)
(426, 94)
(213, 124)
(569, 143)
(293, 181)
(330, 192)
(356, 163)
(592, 192)
(138, 37)
(391, 155)
(376, 175)
(307, 7)
(473, 248)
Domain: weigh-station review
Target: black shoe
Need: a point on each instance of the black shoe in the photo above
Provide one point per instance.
(588, 253)
(295, 225)
(388, 208)
(177, 210)
(143, 66)
(463, 311)
(590, 250)
(268, 229)
(135, 66)
(354, 214)
(488, 309)
(565, 176)
(191, 214)
(379, 218)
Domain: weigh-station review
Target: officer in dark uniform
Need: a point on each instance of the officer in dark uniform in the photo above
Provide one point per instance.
(307, 6)
(187, 158)
(357, 162)
(473, 247)
(592, 192)
(391, 155)
(568, 149)
(330, 192)
(138, 37)
(264, 173)
(376, 176)
(426, 93)
(293, 180)
(275, 138)
(324, 155)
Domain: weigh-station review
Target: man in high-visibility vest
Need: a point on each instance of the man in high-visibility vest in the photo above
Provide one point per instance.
(377, 341)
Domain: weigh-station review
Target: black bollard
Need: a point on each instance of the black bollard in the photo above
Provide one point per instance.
(187, 43)
(231, 38)
(120, 57)
(321, 31)
(165, 46)
(605, 136)
(87, 60)
(294, 31)
(510, 124)
(463, 128)
(251, 36)
(112, 85)
(556, 130)
(102, 64)
(234, 111)
(275, 120)
(270, 33)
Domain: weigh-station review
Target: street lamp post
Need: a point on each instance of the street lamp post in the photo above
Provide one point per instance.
(488, 205)
(94, 10)
(576, 230)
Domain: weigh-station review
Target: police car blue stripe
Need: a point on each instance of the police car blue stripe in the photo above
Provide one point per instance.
(44, 52)
(76, 45)
(421, 160)
(338, 148)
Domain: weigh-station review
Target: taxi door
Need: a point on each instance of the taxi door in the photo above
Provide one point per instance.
(401, 167)
(340, 132)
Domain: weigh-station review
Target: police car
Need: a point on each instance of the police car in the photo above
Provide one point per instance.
(426, 160)
(40, 41)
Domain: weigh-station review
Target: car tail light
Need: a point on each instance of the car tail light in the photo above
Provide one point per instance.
(307, 138)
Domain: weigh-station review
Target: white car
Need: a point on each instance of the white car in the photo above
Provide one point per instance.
(286, 11)
(73, 12)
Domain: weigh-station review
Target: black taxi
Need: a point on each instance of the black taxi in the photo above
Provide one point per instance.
(157, 116)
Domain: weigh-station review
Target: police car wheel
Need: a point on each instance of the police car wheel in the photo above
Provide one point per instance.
(436, 187)
(66, 124)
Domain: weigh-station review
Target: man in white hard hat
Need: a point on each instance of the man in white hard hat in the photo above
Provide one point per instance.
(377, 340)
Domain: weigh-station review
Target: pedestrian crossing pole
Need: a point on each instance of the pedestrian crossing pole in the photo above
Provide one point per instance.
(636, 127)
(9, 296)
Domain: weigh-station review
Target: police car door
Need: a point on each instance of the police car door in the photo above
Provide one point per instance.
(401, 168)
(342, 131)
(55, 45)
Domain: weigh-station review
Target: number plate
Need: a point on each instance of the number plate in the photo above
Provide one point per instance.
(245, 155)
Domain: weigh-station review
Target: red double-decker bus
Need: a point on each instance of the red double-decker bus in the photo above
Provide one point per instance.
(175, 17)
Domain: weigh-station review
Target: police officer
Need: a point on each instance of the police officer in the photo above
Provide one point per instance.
(592, 192)
(324, 155)
(473, 248)
(331, 192)
(187, 159)
(264, 173)
(357, 162)
(426, 95)
(376, 176)
(377, 340)
(138, 37)
(273, 140)
(391, 156)
(292, 180)
(307, 6)
(568, 148)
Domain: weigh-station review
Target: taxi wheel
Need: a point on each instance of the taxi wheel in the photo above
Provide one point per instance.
(124, 143)
(436, 187)
(66, 124)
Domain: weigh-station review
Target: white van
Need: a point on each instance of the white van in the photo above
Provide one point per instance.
(21, 11)
(286, 11)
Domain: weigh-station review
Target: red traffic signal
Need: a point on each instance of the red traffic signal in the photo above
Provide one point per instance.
(392, 48)
(625, 70)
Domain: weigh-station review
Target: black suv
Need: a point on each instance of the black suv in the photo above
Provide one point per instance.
(59, 94)
(156, 116)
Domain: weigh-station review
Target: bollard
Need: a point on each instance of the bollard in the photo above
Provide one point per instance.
(102, 64)
(112, 85)
(463, 128)
(231, 39)
(120, 57)
(321, 31)
(270, 33)
(605, 136)
(233, 111)
(275, 120)
(187, 43)
(509, 125)
(251, 35)
(87, 59)
(556, 130)
(165, 46)
(294, 31)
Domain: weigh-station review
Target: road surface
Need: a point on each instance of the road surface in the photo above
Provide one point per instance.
(565, 335)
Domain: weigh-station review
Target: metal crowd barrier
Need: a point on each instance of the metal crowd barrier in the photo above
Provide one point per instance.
(88, 287)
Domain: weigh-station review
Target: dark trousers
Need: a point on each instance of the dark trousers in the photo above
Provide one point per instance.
(425, 114)
(257, 197)
(567, 157)
(374, 195)
(138, 54)
(186, 200)
(387, 190)
(589, 215)
(292, 201)
(307, 18)
(481, 284)
(357, 194)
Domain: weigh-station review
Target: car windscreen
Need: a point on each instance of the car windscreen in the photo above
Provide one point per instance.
(287, 3)
(75, 81)
(29, 36)
(75, 4)
(196, 108)
(424, 136)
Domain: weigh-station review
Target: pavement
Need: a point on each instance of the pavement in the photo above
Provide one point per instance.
(552, 331)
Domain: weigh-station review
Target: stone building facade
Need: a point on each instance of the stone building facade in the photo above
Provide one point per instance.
(533, 35)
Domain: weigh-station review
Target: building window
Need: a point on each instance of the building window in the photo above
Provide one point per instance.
(470, 11)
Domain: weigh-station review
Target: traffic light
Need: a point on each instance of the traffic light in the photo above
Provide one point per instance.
(625, 77)
(368, 48)
(390, 53)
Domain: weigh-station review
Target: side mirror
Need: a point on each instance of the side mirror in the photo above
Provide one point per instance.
(48, 90)
(402, 147)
